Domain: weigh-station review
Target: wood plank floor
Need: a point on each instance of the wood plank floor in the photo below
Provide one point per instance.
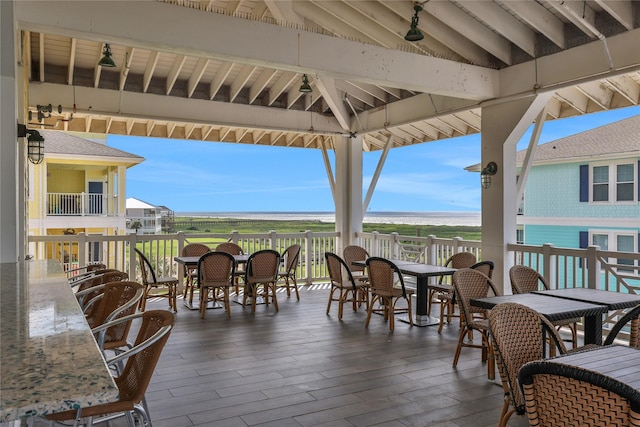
(301, 367)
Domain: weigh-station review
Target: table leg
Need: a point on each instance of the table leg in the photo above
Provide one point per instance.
(421, 317)
(593, 329)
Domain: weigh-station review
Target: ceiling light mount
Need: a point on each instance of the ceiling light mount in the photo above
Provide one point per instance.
(305, 87)
(414, 34)
(107, 60)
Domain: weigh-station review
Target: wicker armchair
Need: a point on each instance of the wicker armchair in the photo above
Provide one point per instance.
(262, 270)
(348, 289)
(291, 256)
(631, 318)
(524, 280)
(448, 300)
(89, 288)
(155, 286)
(356, 253)
(215, 274)
(384, 290)
(442, 291)
(132, 383)
(558, 395)
(471, 284)
(191, 273)
(518, 336)
(234, 249)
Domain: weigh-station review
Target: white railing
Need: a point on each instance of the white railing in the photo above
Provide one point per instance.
(81, 204)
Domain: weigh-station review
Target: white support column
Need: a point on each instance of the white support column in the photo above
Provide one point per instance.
(348, 189)
(12, 230)
(503, 124)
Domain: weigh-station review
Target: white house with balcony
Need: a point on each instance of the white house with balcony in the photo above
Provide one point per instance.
(143, 218)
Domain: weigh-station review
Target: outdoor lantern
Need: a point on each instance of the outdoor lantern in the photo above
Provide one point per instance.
(106, 60)
(305, 87)
(414, 33)
(35, 147)
(487, 173)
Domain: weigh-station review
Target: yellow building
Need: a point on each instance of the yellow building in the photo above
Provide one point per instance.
(79, 187)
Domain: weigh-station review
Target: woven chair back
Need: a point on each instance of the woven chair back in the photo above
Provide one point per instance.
(262, 267)
(355, 253)
(113, 296)
(471, 284)
(135, 377)
(215, 269)
(120, 300)
(458, 261)
(518, 334)
(525, 280)
(484, 267)
(291, 255)
(195, 249)
(385, 278)
(338, 269)
(562, 396)
(230, 248)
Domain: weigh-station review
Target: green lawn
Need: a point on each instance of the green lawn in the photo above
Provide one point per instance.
(226, 225)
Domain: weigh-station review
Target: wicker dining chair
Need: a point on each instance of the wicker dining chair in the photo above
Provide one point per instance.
(290, 258)
(356, 253)
(342, 281)
(87, 289)
(443, 291)
(191, 272)
(525, 280)
(471, 284)
(518, 335)
(387, 288)
(134, 379)
(447, 299)
(215, 274)
(234, 249)
(262, 271)
(156, 286)
(558, 395)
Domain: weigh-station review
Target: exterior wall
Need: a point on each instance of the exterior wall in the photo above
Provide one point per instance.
(554, 191)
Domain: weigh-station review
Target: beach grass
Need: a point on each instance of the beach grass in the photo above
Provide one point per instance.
(227, 225)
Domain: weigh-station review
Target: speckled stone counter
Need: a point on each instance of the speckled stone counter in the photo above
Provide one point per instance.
(49, 360)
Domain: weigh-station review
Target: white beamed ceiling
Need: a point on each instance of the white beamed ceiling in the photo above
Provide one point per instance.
(230, 70)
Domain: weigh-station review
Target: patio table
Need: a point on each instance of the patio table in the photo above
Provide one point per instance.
(555, 309)
(421, 272)
(613, 300)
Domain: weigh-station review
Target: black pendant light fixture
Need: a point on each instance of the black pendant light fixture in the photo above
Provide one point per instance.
(305, 87)
(107, 60)
(414, 33)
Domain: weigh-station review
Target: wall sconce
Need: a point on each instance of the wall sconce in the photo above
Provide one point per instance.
(487, 173)
(35, 144)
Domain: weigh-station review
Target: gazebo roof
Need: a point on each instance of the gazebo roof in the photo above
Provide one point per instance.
(231, 71)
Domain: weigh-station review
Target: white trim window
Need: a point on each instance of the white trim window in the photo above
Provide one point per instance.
(622, 241)
(614, 183)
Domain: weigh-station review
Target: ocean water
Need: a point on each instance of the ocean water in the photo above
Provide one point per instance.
(413, 218)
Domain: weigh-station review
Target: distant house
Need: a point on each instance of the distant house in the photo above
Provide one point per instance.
(167, 219)
(79, 187)
(143, 218)
(585, 190)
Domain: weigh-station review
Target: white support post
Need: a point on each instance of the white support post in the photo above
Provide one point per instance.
(12, 195)
(348, 195)
(503, 124)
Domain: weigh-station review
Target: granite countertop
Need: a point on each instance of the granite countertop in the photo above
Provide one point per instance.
(49, 360)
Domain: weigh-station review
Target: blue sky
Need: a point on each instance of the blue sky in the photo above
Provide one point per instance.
(192, 176)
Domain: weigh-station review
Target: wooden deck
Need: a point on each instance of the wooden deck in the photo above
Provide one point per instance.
(300, 367)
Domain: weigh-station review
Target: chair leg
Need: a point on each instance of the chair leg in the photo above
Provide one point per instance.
(227, 304)
(372, 301)
(272, 285)
(295, 286)
(204, 295)
(463, 332)
(333, 289)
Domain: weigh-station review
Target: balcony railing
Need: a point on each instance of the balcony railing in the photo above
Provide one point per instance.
(81, 204)
(562, 267)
